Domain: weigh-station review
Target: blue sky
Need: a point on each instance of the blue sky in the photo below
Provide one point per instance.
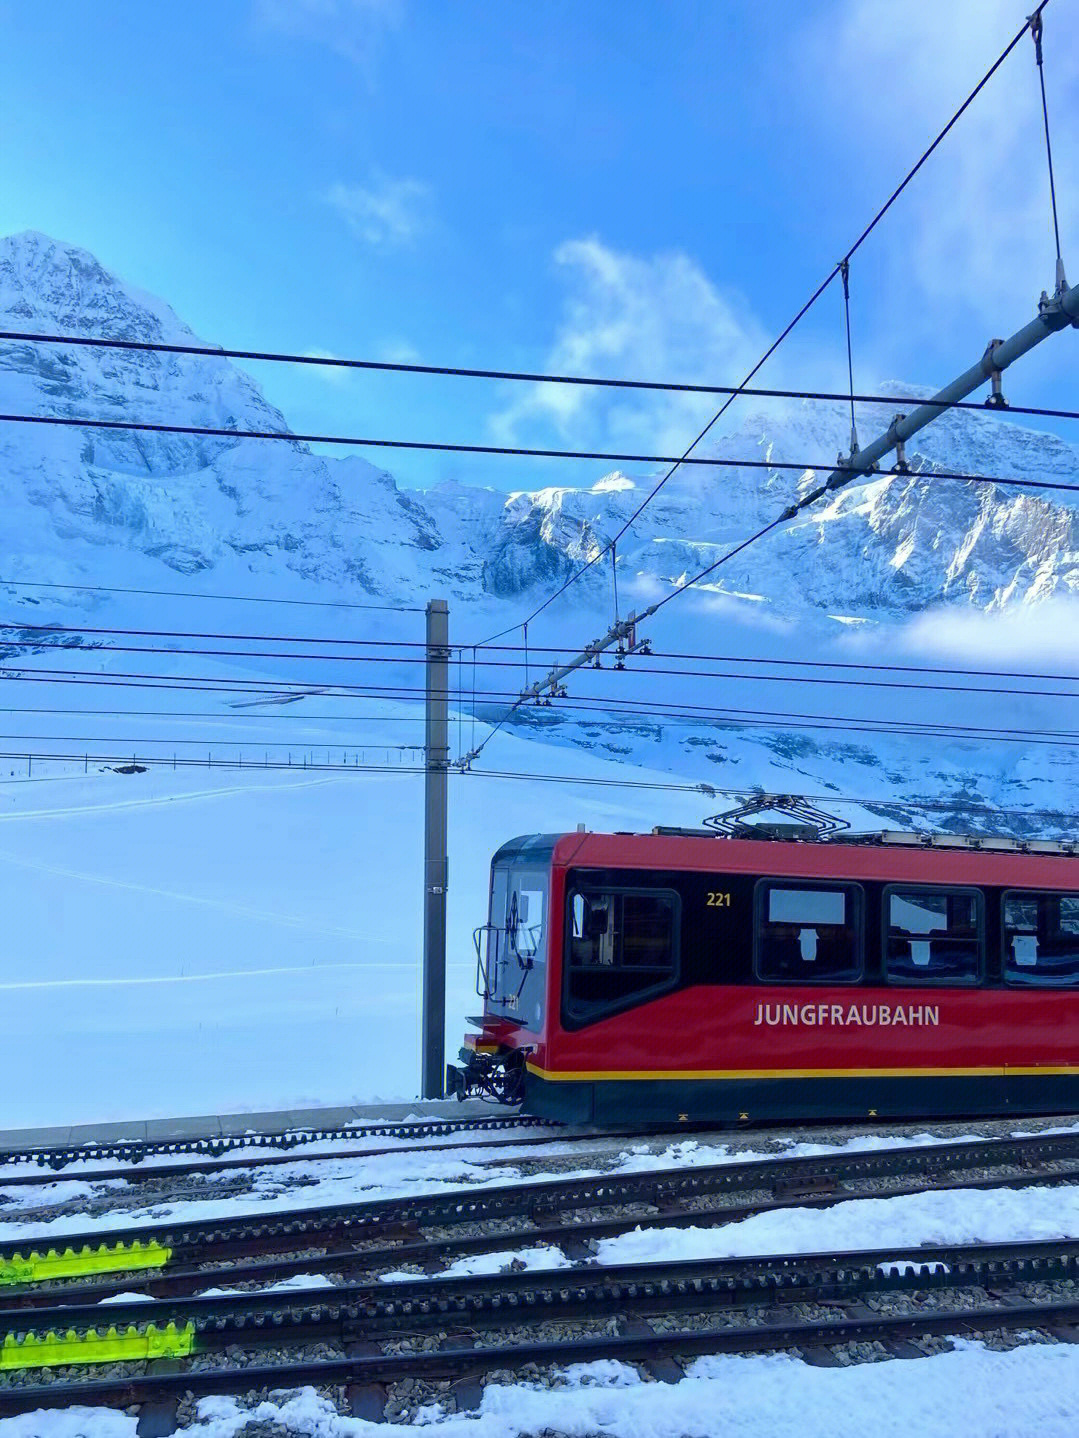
(641, 188)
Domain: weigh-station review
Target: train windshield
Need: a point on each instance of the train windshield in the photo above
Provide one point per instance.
(512, 947)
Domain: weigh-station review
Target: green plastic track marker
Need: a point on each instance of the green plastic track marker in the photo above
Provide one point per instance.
(109, 1346)
(36, 1267)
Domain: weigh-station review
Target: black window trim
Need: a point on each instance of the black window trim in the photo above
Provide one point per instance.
(1005, 894)
(979, 979)
(642, 996)
(818, 886)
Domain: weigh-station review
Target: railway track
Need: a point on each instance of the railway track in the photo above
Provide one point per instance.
(701, 1307)
(216, 1146)
(133, 1173)
(167, 1260)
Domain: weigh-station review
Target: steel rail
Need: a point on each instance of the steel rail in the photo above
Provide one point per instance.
(228, 1165)
(667, 1190)
(559, 1293)
(216, 1145)
(469, 1361)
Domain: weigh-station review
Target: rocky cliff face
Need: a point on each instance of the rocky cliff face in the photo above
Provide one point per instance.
(76, 501)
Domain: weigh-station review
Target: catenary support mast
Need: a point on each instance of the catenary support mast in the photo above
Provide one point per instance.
(435, 860)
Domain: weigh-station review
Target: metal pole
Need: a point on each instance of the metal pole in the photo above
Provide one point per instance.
(435, 859)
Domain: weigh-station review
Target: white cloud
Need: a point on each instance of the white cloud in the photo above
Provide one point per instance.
(1038, 633)
(387, 213)
(399, 352)
(656, 317)
(329, 374)
(352, 28)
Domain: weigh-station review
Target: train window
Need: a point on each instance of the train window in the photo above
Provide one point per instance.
(622, 946)
(524, 921)
(807, 934)
(1041, 939)
(933, 936)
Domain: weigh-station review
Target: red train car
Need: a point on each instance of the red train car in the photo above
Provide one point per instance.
(671, 976)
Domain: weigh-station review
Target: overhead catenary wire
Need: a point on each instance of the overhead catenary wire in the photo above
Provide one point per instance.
(844, 270)
(217, 716)
(628, 716)
(506, 451)
(700, 716)
(523, 376)
(1053, 316)
(199, 594)
(322, 685)
(735, 720)
(510, 649)
(718, 718)
(889, 806)
(348, 742)
(806, 307)
(1036, 30)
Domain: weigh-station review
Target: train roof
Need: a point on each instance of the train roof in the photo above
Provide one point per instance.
(889, 854)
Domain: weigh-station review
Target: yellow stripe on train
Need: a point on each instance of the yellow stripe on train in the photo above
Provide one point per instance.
(109, 1346)
(35, 1267)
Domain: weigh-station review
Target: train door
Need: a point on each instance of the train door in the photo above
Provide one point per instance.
(512, 947)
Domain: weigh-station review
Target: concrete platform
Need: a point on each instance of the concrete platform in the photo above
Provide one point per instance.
(237, 1124)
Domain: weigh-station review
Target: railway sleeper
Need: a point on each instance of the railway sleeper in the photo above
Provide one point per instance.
(466, 1358)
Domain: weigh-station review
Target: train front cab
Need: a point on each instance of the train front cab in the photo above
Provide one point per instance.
(744, 980)
(512, 974)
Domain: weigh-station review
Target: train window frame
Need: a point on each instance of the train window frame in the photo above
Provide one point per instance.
(978, 980)
(847, 886)
(573, 1021)
(1014, 983)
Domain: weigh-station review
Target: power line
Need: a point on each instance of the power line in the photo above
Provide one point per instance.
(709, 790)
(836, 269)
(739, 720)
(713, 791)
(515, 649)
(174, 761)
(861, 683)
(634, 718)
(1053, 315)
(194, 594)
(848, 664)
(510, 452)
(342, 744)
(255, 639)
(617, 713)
(460, 372)
(215, 715)
(724, 718)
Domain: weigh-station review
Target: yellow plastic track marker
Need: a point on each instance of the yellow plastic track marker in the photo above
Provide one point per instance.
(36, 1267)
(109, 1346)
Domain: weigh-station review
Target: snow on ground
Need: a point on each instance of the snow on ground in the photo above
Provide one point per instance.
(180, 943)
(972, 1392)
(963, 1215)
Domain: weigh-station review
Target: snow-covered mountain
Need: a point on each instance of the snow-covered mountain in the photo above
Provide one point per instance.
(240, 516)
(190, 504)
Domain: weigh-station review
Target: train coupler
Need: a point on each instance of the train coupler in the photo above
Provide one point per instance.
(498, 1076)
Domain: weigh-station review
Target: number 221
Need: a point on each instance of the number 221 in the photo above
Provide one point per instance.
(719, 901)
